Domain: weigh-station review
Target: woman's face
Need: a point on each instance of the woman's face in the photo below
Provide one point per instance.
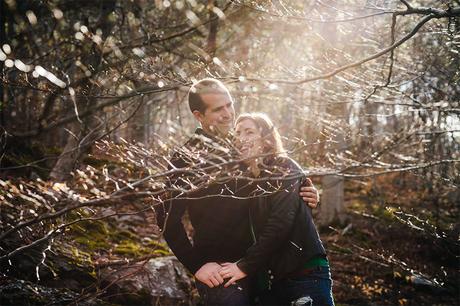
(248, 138)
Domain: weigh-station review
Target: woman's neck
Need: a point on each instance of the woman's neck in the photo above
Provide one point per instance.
(254, 167)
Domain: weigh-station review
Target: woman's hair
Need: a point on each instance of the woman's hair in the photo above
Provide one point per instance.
(270, 134)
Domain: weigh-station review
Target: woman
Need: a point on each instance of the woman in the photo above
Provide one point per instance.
(287, 245)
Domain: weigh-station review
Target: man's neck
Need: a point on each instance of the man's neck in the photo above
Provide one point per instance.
(215, 133)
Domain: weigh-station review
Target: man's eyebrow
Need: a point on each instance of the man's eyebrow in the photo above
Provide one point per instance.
(220, 107)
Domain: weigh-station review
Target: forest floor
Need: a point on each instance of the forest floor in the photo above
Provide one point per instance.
(378, 259)
(396, 245)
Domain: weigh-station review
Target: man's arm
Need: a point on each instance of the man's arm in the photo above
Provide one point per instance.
(169, 218)
(309, 194)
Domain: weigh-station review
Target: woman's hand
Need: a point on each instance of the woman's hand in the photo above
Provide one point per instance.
(231, 270)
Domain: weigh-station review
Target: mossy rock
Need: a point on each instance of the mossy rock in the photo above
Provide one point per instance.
(159, 248)
(93, 244)
(131, 248)
(124, 235)
(20, 292)
(92, 235)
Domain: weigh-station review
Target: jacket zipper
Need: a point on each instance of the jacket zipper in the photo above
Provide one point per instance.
(298, 247)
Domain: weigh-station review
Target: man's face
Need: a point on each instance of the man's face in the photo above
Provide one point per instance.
(219, 115)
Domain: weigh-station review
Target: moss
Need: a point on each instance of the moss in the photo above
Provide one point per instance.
(133, 248)
(123, 235)
(93, 243)
(383, 212)
(162, 252)
(157, 244)
(128, 247)
(81, 258)
(92, 234)
(159, 248)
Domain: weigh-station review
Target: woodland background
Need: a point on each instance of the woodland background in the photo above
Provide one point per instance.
(93, 102)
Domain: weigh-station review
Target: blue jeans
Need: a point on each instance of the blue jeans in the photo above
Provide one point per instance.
(295, 290)
(237, 294)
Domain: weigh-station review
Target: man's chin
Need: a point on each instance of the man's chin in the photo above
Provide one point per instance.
(224, 129)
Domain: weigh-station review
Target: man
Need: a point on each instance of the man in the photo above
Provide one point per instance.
(219, 218)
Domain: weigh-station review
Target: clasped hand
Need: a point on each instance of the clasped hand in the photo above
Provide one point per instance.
(213, 274)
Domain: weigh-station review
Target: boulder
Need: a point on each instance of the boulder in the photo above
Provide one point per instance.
(20, 292)
(158, 281)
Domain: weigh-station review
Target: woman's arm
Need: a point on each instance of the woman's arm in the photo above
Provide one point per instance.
(283, 206)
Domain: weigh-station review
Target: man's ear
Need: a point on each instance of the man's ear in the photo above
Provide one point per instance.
(198, 115)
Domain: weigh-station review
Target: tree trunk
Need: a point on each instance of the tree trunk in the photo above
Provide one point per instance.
(332, 207)
(67, 160)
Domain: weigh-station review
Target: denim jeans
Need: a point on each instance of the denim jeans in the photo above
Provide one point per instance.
(237, 294)
(295, 291)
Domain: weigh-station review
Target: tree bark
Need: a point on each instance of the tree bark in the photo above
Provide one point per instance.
(84, 133)
(67, 160)
(332, 200)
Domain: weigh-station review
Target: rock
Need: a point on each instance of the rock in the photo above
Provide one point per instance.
(160, 281)
(21, 292)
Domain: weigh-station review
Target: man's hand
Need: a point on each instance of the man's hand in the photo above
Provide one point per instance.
(309, 194)
(209, 274)
(231, 270)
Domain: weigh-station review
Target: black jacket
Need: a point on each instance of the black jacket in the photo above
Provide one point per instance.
(219, 219)
(286, 237)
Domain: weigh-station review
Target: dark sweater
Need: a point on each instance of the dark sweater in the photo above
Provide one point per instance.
(220, 221)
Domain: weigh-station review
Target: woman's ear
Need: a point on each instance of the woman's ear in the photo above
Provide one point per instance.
(268, 145)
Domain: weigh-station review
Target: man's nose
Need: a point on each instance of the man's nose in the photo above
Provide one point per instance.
(227, 112)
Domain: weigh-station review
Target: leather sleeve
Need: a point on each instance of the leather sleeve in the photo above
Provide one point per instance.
(283, 209)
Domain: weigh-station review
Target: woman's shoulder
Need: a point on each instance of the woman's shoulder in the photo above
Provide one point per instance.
(287, 164)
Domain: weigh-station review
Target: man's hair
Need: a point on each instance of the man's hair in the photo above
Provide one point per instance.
(204, 86)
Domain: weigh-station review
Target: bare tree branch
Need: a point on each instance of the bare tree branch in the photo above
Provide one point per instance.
(408, 6)
(430, 14)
